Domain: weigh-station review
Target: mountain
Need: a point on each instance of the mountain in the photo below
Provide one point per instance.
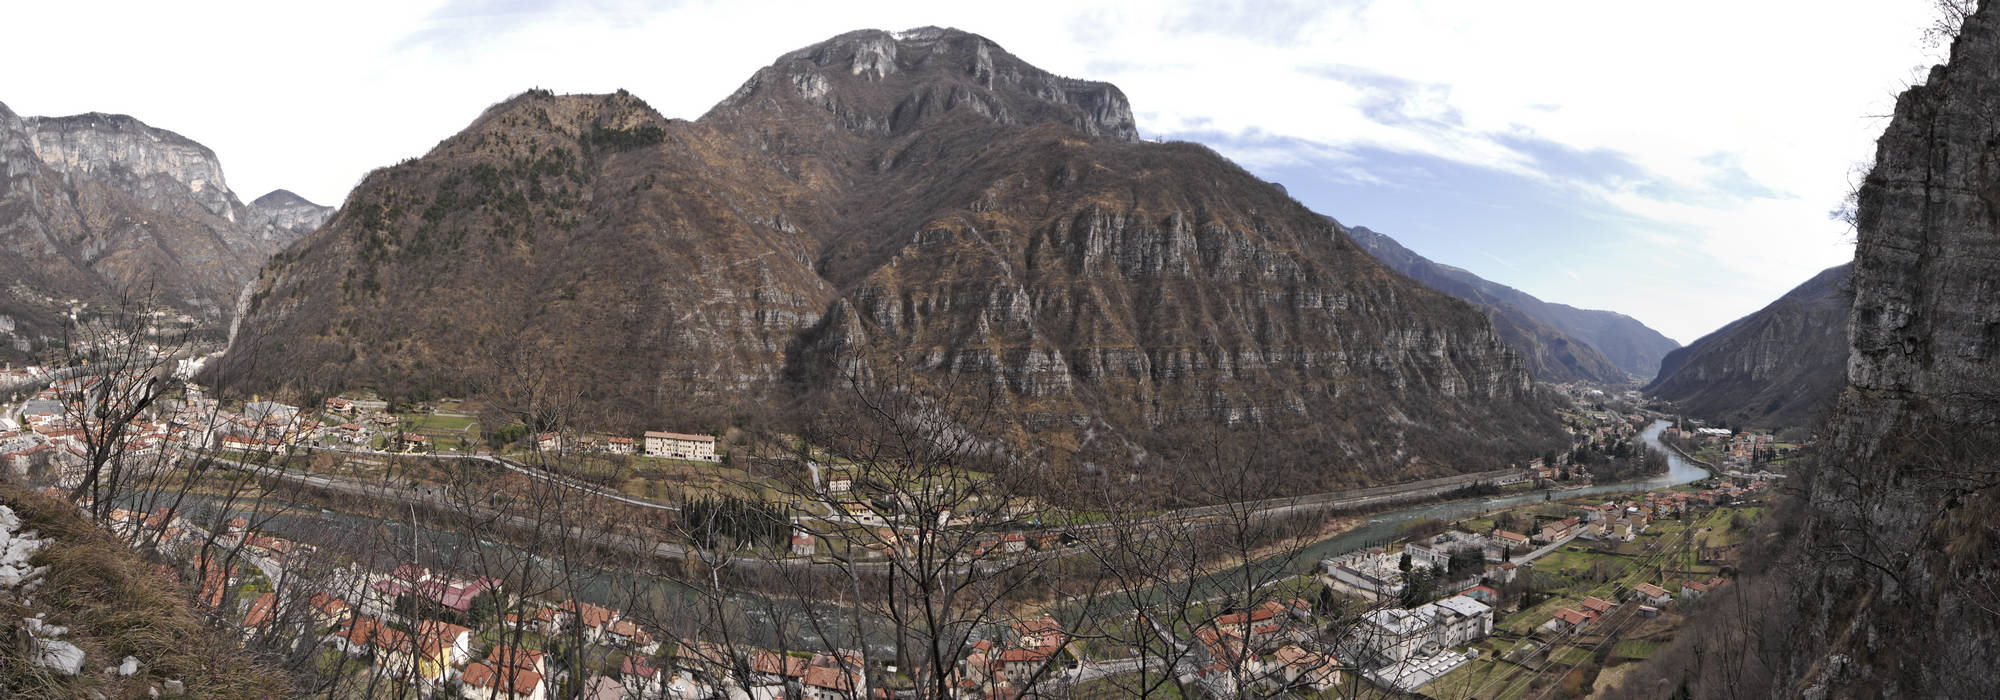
(1776, 368)
(97, 207)
(1528, 324)
(283, 217)
(920, 212)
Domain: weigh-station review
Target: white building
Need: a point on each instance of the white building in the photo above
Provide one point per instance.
(1397, 635)
(681, 446)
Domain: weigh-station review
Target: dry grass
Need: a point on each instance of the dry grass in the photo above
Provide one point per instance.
(115, 606)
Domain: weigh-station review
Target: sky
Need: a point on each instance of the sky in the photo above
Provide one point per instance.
(1672, 161)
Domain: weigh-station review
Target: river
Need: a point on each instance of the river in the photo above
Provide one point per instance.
(1385, 527)
(624, 590)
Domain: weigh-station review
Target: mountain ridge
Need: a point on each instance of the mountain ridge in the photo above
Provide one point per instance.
(916, 214)
(105, 208)
(1562, 342)
(1776, 368)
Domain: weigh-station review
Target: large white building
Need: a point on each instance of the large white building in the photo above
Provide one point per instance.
(681, 446)
(1397, 635)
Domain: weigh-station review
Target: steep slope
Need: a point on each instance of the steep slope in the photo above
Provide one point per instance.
(1776, 368)
(1889, 581)
(97, 207)
(921, 209)
(1903, 511)
(1551, 354)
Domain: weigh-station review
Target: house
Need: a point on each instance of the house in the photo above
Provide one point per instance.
(1260, 626)
(503, 656)
(619, 445)
(1567, 619)
(1598, 606)
(1309, 669)
(1514, 540)
(454, 639)
(803, 545)
(357, 636)
(1651, 595)
(1435, 558)
(262, 612)
(340, 405)
(1044, 634)
(412, 442)
(1693, 589)
(482, 681)
(833, 683)
(252, 444)
(699, 448)
(623, 633)
(1014, 543)
(542, 621)
(549, 442)
(639, 676)
(1020, 665)
(327, 610)
(591, 618)
(1505, 572)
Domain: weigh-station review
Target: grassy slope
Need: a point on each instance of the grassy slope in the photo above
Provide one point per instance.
(115, 605)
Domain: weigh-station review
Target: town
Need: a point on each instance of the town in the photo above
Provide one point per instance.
(1490, 605)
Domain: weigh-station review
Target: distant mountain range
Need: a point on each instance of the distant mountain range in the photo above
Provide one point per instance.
(918, 212)
(1776, 368)
(97, 207)
(1560, 343)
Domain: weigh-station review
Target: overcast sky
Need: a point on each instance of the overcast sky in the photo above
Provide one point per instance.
(1672, 161)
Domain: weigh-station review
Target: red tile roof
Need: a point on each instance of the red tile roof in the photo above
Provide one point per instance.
(520, 682)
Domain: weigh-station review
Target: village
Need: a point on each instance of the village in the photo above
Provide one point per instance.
(1508, 598)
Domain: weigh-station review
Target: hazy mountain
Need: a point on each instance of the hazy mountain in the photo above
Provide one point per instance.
(920, 210)
(1776, 368)
(1526, 323)
(102, 206)
(287, 217)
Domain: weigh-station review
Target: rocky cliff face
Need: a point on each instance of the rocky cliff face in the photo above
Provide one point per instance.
(921, 210)
(99, 207)
(1532, 327)
(1898, 591)
(1777, 368)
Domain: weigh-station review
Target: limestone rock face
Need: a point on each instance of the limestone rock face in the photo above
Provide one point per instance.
(1778, 368)
(1899, 562)
(160, 167)
(919, 210)
(99, 207)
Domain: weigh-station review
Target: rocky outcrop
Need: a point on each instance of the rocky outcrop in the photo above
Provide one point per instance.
(878, 82)
(159, 167)
(100, 207)
(1532, 327)
(920, 210)
(1777, 368)
(1897, 591)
